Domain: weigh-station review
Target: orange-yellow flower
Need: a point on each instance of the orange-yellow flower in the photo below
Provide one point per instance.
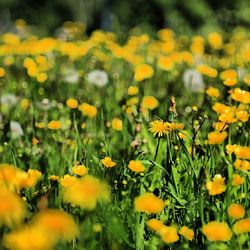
(72, 103)
(242, 226)
(149, 203)
(149, 102)
(88, 110)
(136, 166)
(217, 186)
(12, 208)
(108, 163)
(216, 137)
(242, 115)
(237, 180)
(54, 124)
(132, 90)
(236, 211)
(116, 124)
(217, 231)
(155, 224)
(213, 92)
(240, 95)
(80, 170)
(143, 71)
(158, 128)
(86, 192)
(242, 164)
(187, 232)
(169, 234)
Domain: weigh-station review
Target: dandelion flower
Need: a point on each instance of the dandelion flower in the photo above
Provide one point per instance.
(237, 180)
(158, 128)
(54, 125)
(143, 71)
(236, 211)
(67, 180)
(12, 208)
(116, 124)
(213, 92)
(88, 110)
(242, 226)
(169, 234)
(132, 90)
(72, 103)
(187, 233)
(86, 192)
(217, 231)
(155, 224)
(108, 163)
(149, 203)
(149, 102)
(57, 223)
(98, 78)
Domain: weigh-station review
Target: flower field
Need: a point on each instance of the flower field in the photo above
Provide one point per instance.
(142, 144)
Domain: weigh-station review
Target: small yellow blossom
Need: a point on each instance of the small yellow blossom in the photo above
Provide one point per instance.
(108, 163)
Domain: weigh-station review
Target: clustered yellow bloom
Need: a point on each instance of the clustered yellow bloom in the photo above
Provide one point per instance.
(88, 110)
(217, 186)
(136, 166)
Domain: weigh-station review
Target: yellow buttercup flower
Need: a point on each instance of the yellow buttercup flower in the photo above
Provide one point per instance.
(80, 170)
(108, 163)
(136, 166)
(132, 90)
(217, 186)
(213, 92)
(237, 180)
(240, 95)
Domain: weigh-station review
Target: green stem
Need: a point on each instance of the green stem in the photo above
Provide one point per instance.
(157, 148)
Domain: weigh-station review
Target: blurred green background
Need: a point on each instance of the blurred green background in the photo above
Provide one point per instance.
(184, 16)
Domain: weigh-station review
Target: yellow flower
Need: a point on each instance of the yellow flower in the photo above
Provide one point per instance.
(57, 223)
(2, 72)
(207, 70)
(72, 103)
(215, 40)
(149, 102)
(40, 124)
(228, 74)
(86, 192)
(242, 164)
(108, 163)
(230, 82)
(247, 79)
(88, 110)
(217, 186)
(155, 224)
(158, 128)
(242, 226)
(169, 234)
(12, 208)
(240, 95)
(242, 152)
(34, 141)
(132, 90)
(80, 170)
(165, 63)
(148, 203)
(213, 92)
(183, 134)
(242, 115)
(236, 211)
(67, 180)
(30, 179)
(25, 103)
(143, 71)
(187, 233)
(237, 180)
(216, 137)
(54, 124)
(175, 126)
(117, 124)
(41, 77)
(136, 166)
(217, 231)
(220, 126)
(21, 239)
